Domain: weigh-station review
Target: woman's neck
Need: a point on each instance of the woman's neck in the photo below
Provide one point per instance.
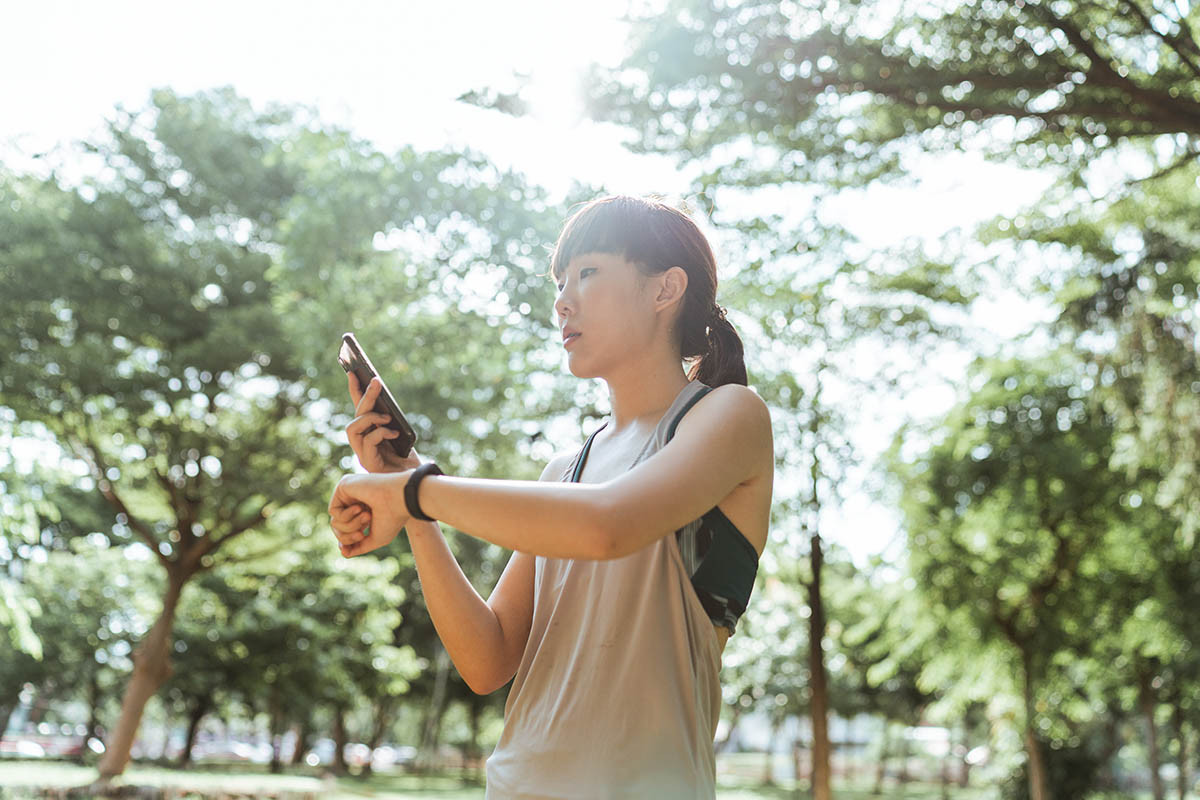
(643, 393)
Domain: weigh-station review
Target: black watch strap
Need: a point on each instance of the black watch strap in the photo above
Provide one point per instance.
(410, 489)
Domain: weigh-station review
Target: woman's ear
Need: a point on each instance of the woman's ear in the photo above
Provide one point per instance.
(672, 285)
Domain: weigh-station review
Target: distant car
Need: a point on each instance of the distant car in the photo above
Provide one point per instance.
(63, 746)
(21, 748)
(388, 756)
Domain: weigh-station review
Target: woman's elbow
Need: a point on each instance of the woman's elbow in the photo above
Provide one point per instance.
(603, 531)
(483, 687)
(483, 683)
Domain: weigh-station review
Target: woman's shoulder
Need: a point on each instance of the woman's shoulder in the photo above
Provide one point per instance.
(557, 466)
(731, 417)
(737, 401)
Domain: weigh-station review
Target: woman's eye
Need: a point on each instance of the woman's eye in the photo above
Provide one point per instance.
(582, 273)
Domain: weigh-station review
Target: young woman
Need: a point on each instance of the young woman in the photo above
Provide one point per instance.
(633, 558)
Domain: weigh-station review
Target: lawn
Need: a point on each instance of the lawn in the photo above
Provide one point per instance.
(736, 783)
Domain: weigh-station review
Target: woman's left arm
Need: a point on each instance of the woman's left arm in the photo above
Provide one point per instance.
(723, 442)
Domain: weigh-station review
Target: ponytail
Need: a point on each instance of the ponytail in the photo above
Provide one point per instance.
(724, 359)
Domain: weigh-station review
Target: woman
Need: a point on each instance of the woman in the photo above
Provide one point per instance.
(633, 558)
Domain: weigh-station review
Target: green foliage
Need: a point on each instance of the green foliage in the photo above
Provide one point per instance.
(1128, 300)
(289, 635)
(1071, 773)
(1051, 516)
(837, 92)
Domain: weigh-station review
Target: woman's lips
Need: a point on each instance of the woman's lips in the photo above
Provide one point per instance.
(570, 338)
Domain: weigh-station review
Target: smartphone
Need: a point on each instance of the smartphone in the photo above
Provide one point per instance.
(354, 360)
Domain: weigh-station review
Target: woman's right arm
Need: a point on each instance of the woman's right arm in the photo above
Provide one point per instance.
(485, 640)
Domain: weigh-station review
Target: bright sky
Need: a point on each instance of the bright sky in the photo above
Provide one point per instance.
(391, 72)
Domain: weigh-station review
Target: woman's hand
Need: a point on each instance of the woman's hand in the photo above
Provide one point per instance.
(373, 452)
(367, 511)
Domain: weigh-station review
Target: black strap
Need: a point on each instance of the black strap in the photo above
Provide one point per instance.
(583, 454)
(686, 408)
(410, 489)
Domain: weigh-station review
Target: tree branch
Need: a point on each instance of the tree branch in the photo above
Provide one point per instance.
(183, 516)
(237, 529)
(1171, 41)
(1188, 157)
(1062, 561)
(243, 559)
(1053, 118)
(1104, 73)
(91, 453)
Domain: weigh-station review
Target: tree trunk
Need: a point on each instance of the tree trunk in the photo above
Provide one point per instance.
(5, 715)
(93, 723)
(151, 668)
(384, 714)
(1038, 789)
(476, 752)
(276, 714)
(1148, 704)
(797, 760)
(768, 778)
(881, 767)
(41, 703)
(903, 777)
(964, 773)
(819, 702)
(339, 741)
(195, 717)
(1112, 743)
(302, 733)
(722, 745)
(431, 730)
(1181, 738)
(944, 778)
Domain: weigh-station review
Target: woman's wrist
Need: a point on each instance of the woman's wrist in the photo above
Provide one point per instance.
(419, 527)
(412, 489)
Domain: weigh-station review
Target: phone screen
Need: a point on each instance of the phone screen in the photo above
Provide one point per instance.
(354, 360)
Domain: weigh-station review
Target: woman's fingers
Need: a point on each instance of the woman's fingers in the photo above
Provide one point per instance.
(355, 389)
(376, 437)
(359, 425)
(344, 515)
(350, 531)
(354, 524)
(367, 401)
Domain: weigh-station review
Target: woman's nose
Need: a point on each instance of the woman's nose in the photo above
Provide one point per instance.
(562, 304)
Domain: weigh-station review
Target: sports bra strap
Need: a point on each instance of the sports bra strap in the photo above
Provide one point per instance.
(686, 408)
(583, 454)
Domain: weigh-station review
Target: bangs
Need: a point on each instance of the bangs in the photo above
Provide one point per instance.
(620, 225)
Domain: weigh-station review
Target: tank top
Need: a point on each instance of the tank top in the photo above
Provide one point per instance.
(617, 693)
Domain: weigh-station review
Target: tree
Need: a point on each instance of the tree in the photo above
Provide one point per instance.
(172, 338)
(1106, 96)
(796, 97)
(840, 91)
(1008, 515)
(133, 352)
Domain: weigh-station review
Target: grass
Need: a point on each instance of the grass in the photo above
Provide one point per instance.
(738, 779)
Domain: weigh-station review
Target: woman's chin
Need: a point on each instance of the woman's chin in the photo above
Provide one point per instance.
(578, 373)
(580, 369)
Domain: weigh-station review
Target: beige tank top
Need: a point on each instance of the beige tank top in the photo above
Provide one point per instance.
(617, 693)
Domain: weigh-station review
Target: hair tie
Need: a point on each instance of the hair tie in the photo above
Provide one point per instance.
(718, 312)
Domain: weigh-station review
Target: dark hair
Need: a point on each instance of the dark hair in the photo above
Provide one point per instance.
(655, 237)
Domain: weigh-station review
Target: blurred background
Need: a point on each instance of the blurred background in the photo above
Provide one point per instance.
(959, 240)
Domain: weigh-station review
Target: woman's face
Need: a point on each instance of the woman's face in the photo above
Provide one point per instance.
(604, 311)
